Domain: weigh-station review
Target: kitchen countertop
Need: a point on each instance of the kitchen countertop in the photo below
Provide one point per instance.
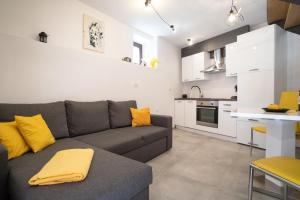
(206, 99)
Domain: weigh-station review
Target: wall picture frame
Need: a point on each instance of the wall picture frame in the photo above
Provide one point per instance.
(93, 34)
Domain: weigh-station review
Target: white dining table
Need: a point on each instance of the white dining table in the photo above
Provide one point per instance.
(280, 137)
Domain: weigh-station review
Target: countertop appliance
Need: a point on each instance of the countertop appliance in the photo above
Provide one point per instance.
(207, 113)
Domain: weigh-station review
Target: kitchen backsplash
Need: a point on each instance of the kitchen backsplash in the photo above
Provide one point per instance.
(219, 86)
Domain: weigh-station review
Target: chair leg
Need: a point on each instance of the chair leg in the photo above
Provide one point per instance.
(285, 192)
(250, 186)
(251, 142)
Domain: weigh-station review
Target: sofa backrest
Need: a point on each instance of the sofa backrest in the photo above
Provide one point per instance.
(119, 113)
(87, 117)
(53, 113)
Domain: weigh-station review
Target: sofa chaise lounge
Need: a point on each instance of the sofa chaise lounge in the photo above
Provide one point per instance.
(117, 171)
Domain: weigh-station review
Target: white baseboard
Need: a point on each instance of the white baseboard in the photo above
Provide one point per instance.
(209, 134)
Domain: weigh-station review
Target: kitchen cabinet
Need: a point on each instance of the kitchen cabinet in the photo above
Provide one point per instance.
(187, 68)
(244, 133)
(190, 113)
(193, 65)
(185, 113)
(227, 124)
(262, 67)
(232, 62)
(256, 89)
(261, 75)
(201, 61)
(180, 113)
(259, 49)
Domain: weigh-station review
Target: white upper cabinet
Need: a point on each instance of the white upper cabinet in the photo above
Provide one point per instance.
(193, 65)
(200, 63)
(187, 68)
(232, 59)
(256, 49)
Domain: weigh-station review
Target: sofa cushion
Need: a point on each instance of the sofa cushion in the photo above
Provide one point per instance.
(113, 141)
(119, 113)
(111, 177)
(53, 113)
(123, 140)
(87, 117)
(149, 134)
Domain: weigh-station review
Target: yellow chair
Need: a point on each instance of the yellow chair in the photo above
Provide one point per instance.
(284, 169)
(288, 100)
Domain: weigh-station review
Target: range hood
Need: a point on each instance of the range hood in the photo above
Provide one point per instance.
(218, 65)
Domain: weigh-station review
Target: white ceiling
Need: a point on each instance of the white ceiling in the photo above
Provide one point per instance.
(196, 19)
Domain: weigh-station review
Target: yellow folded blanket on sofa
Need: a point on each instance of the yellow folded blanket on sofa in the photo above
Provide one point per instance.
(65, 166)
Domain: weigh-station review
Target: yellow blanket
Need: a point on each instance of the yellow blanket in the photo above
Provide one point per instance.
(65, 166)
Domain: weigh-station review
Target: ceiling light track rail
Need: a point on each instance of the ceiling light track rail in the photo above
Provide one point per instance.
(149, 4)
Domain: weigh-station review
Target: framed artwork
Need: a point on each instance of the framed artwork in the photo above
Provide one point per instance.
(93, 34)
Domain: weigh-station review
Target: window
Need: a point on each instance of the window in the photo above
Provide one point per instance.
(137, 53)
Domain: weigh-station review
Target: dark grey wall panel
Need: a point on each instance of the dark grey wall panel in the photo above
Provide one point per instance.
(215, 42)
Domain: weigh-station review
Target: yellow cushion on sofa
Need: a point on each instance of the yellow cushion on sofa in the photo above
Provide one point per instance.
(35, 132)
(12, 140)
(140, 117)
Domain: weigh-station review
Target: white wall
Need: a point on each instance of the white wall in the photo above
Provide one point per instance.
(63, 20)
(35, 72)
(219, 86)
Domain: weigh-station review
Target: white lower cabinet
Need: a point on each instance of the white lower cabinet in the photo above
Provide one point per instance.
(227, 124)
(180, 112)
(244, 133)
(190, 113)
(185, 113)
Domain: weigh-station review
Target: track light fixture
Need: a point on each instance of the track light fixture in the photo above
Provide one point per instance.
(234, 17)
(149, 4)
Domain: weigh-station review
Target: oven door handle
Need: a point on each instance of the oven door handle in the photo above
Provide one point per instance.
(209, 108)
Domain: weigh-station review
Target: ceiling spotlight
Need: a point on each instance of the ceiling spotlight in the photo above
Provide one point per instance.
(234, 15)
(172, 27)
(190, 42)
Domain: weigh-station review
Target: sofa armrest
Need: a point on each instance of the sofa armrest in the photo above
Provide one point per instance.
(166, 122)
(3, 172)
(161, 120)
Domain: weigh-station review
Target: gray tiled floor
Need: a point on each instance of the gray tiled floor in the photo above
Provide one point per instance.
(200, 167)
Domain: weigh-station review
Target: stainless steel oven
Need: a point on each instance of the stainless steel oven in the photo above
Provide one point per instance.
(207, 113)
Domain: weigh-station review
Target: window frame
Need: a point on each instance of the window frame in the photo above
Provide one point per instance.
(140, 47)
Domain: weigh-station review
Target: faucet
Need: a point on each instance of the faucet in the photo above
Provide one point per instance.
(199, 90)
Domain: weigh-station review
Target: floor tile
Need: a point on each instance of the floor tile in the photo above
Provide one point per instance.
(200, 167)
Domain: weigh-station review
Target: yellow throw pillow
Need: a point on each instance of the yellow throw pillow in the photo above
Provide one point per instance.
(12, 140)
(140, 117)
(35, 132)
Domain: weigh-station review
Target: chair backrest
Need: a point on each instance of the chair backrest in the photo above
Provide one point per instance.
(297, 128)
(289, 100)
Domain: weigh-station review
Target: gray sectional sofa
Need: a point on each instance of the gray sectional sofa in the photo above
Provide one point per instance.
(117, 171)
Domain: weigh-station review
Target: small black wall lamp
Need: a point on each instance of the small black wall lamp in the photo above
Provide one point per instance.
(43, 37)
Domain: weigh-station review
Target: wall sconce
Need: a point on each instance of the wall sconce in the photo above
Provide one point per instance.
(43, 37)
